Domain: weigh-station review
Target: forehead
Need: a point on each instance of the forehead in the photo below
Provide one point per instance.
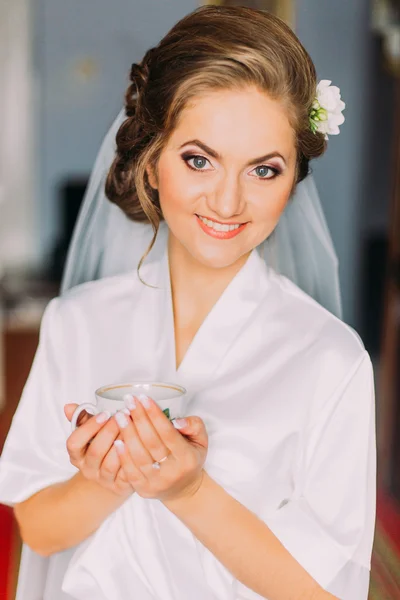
(242, 122)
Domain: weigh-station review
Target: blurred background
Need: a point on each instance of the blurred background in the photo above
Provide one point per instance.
(63, 72)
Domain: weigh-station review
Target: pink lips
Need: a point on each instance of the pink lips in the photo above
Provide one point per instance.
(221, 235)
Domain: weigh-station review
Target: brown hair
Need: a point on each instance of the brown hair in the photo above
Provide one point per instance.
(213, 47)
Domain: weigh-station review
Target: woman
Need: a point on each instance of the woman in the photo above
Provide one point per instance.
(267, 488)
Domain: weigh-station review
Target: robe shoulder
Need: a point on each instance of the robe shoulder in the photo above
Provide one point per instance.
(103, 302)
(328, 349)
(101, 290)
(308, 318)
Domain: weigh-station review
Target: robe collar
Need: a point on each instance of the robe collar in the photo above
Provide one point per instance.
(221, 327)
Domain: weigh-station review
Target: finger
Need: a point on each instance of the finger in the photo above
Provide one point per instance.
(121, 481)
(192, 428)
(140, 455)
(80, 438)
(69, 410)
(100, 445)
(122, 484)
(130, 472)
(166, 430)
(121, 476)
(111, 465)
(148, 434)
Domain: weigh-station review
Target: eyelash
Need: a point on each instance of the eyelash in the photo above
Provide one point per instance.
(187, 157)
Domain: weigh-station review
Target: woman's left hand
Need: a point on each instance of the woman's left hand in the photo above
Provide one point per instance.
(148, 437)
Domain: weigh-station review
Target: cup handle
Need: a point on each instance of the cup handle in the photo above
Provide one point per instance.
(79, 409)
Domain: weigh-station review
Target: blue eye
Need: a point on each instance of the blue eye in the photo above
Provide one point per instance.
(263, 172)
(199, 162)
(198, 159)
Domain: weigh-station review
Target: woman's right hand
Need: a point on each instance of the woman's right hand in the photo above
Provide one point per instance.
(91, 450)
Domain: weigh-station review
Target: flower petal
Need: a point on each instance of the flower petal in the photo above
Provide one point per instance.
(328, 107)
(334, 130)
(324, 83)
(336, 119)
(323, 126)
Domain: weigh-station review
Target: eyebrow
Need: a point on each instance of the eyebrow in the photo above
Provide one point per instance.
(215, 154)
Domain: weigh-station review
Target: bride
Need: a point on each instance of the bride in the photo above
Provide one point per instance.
(266, 487)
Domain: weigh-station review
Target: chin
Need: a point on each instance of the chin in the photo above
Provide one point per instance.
(215, 258)
(211, 253)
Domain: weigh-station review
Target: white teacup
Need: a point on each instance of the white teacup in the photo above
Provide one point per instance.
(169, 397)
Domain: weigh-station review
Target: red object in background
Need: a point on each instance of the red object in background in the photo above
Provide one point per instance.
(8, 552)
(388, 515)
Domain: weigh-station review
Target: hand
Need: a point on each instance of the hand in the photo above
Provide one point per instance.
(149, 436)
(91, 450)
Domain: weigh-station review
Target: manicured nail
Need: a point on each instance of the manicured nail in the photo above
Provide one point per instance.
(103, 417)
(121, 419)
(143, 399)
(129, 401)
(179, 423)
(126, 411)
(119, 446)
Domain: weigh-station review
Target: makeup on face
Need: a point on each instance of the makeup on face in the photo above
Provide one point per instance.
(227, 170)
(225, 230)
(276, 168)
(218, 230)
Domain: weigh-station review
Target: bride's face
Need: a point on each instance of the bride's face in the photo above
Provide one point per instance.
(229, 164)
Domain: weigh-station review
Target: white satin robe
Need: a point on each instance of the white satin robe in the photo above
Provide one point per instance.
(287, 395)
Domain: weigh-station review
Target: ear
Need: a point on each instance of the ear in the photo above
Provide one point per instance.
(152, 177)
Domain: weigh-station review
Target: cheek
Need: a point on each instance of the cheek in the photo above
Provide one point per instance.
(177, 190)
(269, 205)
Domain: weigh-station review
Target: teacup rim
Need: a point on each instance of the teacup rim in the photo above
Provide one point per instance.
(163, 384)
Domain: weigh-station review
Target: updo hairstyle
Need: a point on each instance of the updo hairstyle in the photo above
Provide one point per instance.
(212, 48)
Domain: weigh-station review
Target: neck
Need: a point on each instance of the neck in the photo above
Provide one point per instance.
(192, 280)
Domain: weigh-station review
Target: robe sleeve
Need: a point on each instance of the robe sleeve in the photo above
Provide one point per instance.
(35, 455)
(328, 526)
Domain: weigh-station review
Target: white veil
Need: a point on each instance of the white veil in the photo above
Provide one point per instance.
(106, 242)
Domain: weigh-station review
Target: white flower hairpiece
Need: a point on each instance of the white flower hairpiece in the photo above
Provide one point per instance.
(326, 113)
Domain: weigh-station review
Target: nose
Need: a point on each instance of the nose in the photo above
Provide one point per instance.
(226, 200)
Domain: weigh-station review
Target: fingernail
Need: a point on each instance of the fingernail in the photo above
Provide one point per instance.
(103, 417)
(119, 446)
(126, 411)
(129, 401)
(121, 419)
(143, 399)
(179, 423)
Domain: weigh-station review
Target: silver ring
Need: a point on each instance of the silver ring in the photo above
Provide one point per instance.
(157, 463)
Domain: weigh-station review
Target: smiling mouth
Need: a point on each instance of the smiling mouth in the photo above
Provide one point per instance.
(221, 231)
(218, 226)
